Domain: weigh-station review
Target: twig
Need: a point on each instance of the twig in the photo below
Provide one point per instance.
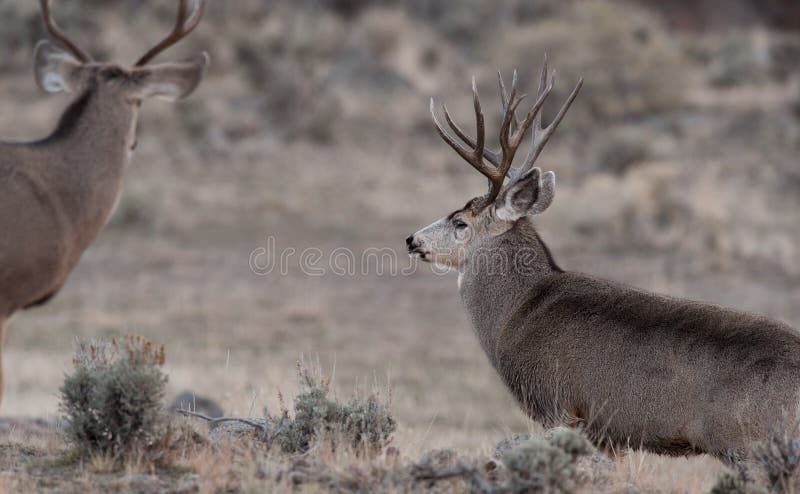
(219, 420)
(467, 473)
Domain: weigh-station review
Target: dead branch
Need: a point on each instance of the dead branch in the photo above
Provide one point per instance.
(252, 423)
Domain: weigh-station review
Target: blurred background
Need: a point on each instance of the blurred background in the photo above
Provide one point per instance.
(678, 170)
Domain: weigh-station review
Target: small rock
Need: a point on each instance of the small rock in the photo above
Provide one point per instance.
(236, 429)
(189, 400)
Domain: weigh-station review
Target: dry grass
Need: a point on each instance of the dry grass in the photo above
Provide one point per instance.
(234, 463)
(312, 126)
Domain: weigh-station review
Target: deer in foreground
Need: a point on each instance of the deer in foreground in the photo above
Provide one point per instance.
(57, 194)
(632, 368)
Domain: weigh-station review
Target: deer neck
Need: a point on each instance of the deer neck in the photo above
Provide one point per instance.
(500, 276)
(87, 156)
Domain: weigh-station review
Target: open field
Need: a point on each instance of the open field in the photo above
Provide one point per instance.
(678, 172)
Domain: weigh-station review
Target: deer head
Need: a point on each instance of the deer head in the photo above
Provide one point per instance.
(515, 193)
(63, 66)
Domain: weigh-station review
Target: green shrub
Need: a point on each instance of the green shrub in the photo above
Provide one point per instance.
(779, 456)
(729, 483)
(509, 443)
(571, 441)
(538, 465)
(364, 424)
(546, 465)
(113, 400)
(361, 423)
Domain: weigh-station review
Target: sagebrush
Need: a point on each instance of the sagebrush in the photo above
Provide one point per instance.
(779, 457)
(113, 401)
(364, 424)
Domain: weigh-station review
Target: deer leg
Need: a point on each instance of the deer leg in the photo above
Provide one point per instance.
(3, 325)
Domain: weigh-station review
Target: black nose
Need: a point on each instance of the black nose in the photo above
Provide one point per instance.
(409, 240)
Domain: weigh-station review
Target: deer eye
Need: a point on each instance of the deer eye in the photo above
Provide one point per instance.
(458, 224)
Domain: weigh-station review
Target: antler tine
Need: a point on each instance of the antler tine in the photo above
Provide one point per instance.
(492, 156)
(504, 99)
(537, 126)
(480, 129)
(59, 35)
(534, 115)
(183, 27)
(509, 141)
(533, 120)
(472, 156)
(537, 145)
(506, 140)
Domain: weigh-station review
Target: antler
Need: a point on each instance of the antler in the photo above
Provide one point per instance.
(59, 35)
(183, 27)
(512, 132)
(539, 135)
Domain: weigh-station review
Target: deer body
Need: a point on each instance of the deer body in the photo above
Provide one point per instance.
(56, 207)
(57, 194)
(632, 368)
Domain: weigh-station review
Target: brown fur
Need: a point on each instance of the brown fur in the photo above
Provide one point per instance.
(3, 325)
(57, 194)
(668, 375)
(635, 369)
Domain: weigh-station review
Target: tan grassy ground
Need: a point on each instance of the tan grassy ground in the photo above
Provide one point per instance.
(312, 128)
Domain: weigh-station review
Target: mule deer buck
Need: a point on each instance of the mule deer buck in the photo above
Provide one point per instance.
(632, 368)
(56, 194)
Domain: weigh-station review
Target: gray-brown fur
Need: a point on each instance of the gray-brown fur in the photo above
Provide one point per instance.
(672, 376)
(57, 193)
(633, 368)
(60, 192)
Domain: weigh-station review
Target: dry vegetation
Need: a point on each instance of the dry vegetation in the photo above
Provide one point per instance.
(678, 172)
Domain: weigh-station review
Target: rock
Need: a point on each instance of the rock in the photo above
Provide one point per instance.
(189, 400)
(239, 430)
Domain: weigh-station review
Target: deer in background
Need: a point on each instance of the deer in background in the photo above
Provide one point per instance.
(57, 194)
(633, 368)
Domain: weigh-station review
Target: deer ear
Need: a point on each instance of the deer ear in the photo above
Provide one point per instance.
(171, 81)
(531, 194)
(55, 69)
